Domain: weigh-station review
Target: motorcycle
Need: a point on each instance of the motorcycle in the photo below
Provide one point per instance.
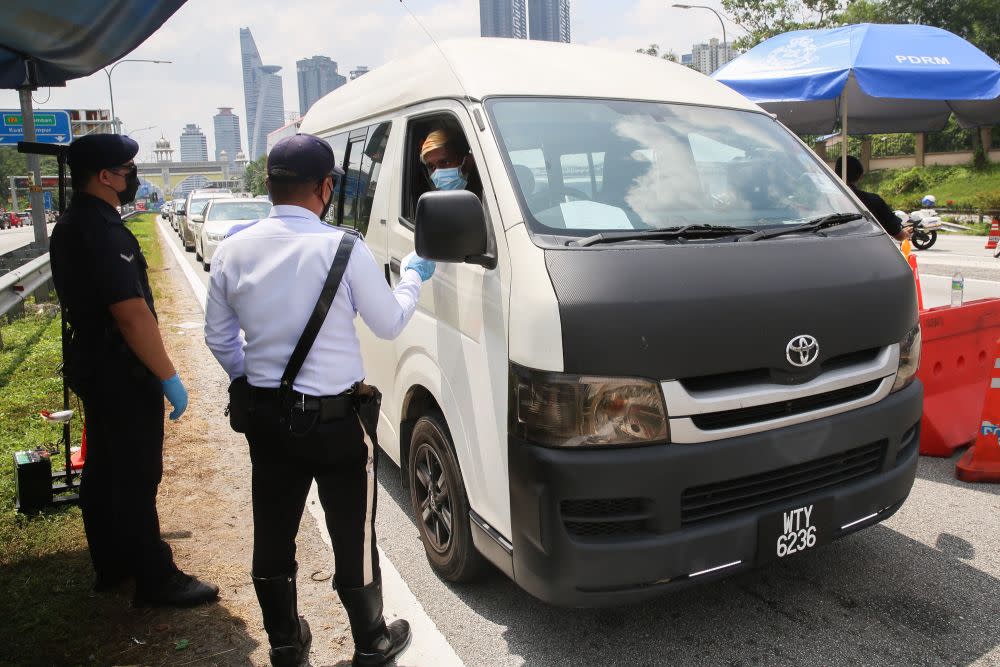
(924, 225)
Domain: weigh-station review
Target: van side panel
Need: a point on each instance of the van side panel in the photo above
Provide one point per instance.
(536, 335)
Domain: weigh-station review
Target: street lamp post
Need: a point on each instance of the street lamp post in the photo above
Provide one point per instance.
(111, 92)
(717, 14)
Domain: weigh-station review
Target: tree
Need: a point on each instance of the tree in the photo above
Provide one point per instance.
(654, 50)
(13, 163)
(762, 19)
(255, 175)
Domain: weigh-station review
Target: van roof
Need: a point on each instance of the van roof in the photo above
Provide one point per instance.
(492, 67)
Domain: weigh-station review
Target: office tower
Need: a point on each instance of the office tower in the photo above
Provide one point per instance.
(706, 58)
(503, 18)
(227, 133)
(317, 77)
(194, 146)
(548, 20)
(265, 101)
(360, 70)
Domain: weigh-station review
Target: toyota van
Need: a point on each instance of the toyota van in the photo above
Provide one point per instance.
(664, 343)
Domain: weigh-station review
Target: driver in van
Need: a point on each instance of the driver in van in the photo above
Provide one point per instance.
(881, 210)
(449, 163)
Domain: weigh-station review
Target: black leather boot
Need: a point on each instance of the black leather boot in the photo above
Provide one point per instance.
(374, 643)
(288, 634)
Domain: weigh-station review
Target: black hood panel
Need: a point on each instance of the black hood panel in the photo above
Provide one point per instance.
(681, 311)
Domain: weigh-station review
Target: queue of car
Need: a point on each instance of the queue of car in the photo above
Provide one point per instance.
(204, 217)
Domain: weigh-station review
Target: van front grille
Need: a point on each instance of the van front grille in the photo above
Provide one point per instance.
(711, 501)
(713, 421)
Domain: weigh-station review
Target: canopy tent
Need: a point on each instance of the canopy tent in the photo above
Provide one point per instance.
(869, 78)
(69, 39)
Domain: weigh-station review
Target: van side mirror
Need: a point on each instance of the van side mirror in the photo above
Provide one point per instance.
(450, 226)
(197, 218)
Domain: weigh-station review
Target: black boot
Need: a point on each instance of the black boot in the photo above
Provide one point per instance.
(288, 634)
(374, 643)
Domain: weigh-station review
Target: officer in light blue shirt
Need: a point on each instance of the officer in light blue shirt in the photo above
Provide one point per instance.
(264, 285)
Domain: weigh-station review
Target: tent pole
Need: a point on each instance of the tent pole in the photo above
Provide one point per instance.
(843, 129)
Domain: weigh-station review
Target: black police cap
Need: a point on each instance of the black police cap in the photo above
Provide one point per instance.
(302, 158)
(101, 151)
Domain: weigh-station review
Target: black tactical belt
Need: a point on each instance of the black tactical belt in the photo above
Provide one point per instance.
(330, 408)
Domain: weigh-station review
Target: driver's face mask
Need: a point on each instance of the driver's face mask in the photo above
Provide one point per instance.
(449, 179)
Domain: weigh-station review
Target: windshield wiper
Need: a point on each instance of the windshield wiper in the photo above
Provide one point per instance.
(687, 232)
(813, 225)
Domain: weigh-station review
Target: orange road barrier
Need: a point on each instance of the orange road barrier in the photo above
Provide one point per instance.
(956, 361)
(981, 463)
(912, 259)
(991, 243)
(77, 460)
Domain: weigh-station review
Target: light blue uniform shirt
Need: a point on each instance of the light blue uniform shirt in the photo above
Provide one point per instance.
(266, 279)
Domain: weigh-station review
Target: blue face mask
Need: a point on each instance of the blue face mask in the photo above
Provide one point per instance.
(449, 179)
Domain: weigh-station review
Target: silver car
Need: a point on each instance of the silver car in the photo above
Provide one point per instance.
(220, 216)
(194, 214)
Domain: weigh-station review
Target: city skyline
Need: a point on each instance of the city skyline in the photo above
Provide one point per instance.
(549, 20)
(205, 73)
(227, 134)
(503, 18)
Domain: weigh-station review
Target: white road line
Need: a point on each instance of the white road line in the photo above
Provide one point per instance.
(200, 292)
(429, 646)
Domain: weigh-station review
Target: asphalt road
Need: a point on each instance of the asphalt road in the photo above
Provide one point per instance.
(923, 588)
(12, 239)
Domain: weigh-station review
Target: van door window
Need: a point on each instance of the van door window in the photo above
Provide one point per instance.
(338, 143)
(352, 176)
(452, 153)
(371, 165)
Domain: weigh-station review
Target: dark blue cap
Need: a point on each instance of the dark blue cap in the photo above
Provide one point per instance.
(302, 158)
(101, 151)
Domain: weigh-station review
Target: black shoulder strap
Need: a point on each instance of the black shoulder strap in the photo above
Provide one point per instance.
(318, 316)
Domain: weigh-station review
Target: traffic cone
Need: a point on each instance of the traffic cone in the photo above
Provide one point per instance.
(77, 460)
(981, 462)
(912, 260)
(991, 243)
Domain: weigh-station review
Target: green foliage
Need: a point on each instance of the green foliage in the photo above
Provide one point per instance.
(977, 21)
(967, 187)
(654, 50)
(255, 175)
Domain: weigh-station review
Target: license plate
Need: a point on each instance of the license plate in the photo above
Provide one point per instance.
(794, 530)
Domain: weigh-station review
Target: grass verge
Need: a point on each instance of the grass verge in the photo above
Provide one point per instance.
(50, 614)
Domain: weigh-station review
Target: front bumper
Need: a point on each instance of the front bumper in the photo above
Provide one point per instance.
(208, 247)
(557, 563)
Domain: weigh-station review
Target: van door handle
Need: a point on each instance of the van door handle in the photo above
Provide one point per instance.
(394, 265)
(382, 221)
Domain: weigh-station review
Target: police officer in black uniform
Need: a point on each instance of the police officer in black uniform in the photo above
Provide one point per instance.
(117, 364)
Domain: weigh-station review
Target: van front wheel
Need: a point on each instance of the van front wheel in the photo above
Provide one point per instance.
(440, 506)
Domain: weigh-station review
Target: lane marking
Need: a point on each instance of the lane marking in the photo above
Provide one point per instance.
(199, 289)
(429, 646)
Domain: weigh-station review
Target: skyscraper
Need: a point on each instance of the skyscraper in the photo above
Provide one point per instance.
(503, 18)
(317, 77)
(264, 99)
(360, 70)
(194, 146)
(706, 58)
(227, 133)
(548, 20)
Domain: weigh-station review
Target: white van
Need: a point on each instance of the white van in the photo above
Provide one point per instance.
(664, 344)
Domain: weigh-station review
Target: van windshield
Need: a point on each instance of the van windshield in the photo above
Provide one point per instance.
(587, 166)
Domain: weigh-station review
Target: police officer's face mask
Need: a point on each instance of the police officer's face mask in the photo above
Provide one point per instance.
(127, 196)
(329, 202)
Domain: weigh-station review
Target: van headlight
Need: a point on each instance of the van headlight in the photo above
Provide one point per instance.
(563, 410)
(909, 359)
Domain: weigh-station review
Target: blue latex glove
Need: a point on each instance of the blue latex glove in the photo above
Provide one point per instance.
(175, 392)
(424, 267)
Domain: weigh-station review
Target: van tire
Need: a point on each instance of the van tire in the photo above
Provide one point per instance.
(452, 556)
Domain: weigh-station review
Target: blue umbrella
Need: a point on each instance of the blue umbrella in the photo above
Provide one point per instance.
(890, 78)
(69, 39)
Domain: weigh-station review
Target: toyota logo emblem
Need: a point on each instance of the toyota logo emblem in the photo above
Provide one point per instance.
(802, 351)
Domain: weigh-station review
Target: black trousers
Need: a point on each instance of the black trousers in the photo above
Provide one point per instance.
(123, 408)
(342, 459)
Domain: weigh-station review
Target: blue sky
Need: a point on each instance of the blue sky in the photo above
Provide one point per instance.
(202, 40)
